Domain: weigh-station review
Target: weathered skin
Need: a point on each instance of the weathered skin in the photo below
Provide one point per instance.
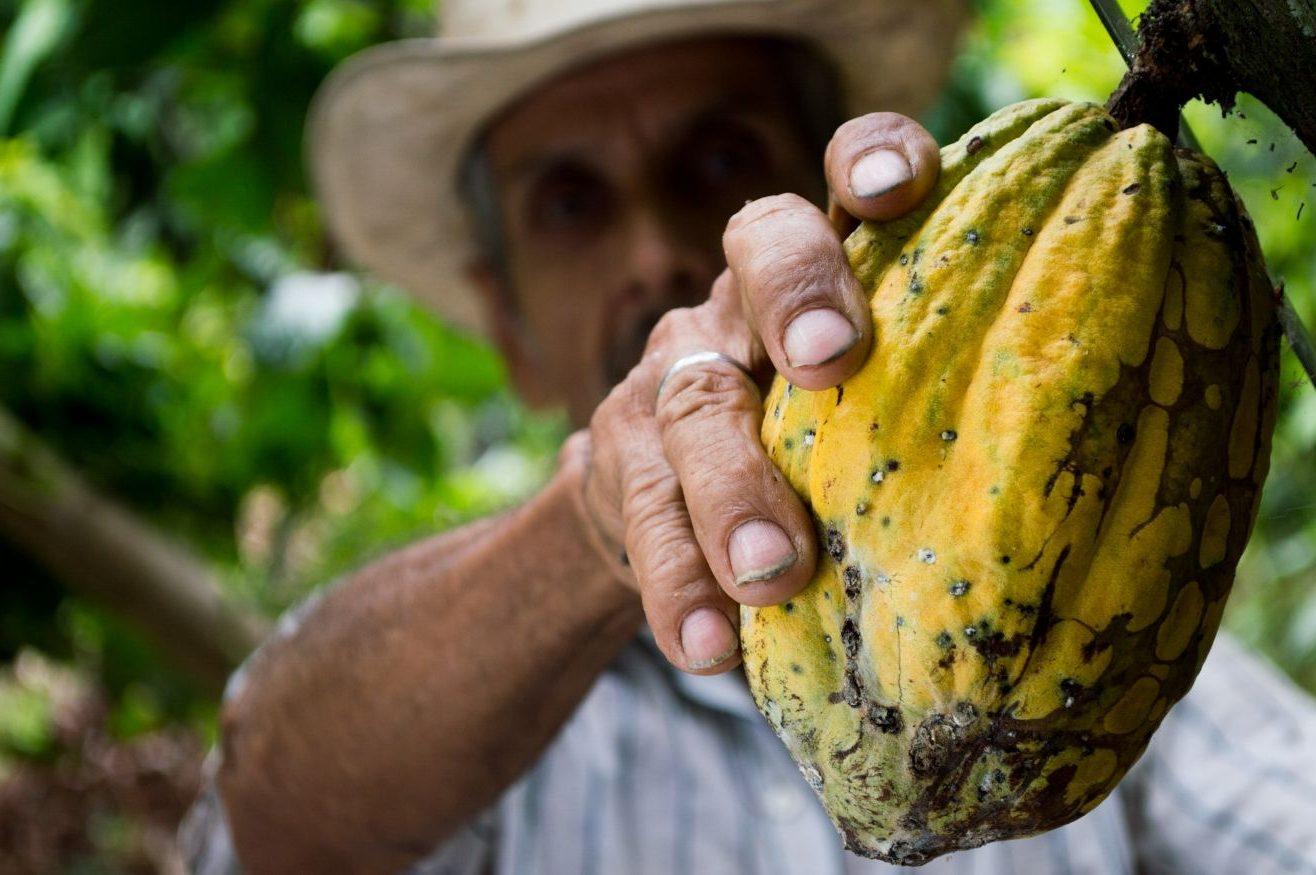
(1034, 494)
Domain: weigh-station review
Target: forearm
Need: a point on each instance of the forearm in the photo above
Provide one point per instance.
(418, 690)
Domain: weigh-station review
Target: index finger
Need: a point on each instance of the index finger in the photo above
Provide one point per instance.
(880, 166)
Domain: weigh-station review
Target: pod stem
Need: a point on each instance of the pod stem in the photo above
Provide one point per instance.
(1179, 58)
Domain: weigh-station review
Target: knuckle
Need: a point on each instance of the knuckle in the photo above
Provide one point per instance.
(670, 326)
(654, 496)
(763, 209)
(703, 395)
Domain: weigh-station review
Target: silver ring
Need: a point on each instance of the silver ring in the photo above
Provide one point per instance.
(701, 358)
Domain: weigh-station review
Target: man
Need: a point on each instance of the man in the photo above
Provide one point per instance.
(553, 690)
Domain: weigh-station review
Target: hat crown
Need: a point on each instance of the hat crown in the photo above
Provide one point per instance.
(505, 20)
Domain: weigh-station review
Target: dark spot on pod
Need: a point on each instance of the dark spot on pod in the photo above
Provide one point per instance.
(1071, 690)
(943, 310)
(949, 435)
(944, 640)
(795, 667)
(1005, 560)
(916, 286)
(809, 435)
(827, 638)
(1025, 307)
(850, 692)
(789, 607)
(972, 237)
(965, 714)
(850, 638)
(861, 508)
(1072, 220)
(1107, 471)
(991, 646)
(893, 465)
(853, 579)
(1133, 189)
(914, 821)
(1096, 645)
(886, 718)
(934, 744)
(1125, 433)
(1028, 232)
(873, 427)
(834, 698)
(900, 622)
(918, 253)
(989, 780)
(788, 444)
(904, 259)
(835, 544)
(995, 490)
(974, 146)
(840, 393)
(886, 522)
(959, 588)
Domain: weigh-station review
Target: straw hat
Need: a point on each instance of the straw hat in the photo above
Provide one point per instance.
(388, 130)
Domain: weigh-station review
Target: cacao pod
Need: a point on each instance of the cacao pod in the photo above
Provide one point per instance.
(1033, 496)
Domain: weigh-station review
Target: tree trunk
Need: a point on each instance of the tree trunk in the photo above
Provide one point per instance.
(1215, 48)
(103, 551)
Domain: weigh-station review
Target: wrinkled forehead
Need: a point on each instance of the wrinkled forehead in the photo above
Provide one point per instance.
(647, 95)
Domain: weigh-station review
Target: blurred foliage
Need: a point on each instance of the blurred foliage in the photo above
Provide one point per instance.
(173, 321)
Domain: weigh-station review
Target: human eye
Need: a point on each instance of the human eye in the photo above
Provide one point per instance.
(569, 200)
(726, 156)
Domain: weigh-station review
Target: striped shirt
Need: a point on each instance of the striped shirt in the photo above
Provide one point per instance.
(658, 771)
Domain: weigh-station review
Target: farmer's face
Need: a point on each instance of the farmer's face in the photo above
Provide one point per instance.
(615, 183)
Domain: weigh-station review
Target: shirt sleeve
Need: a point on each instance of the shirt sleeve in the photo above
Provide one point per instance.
(1228, 783)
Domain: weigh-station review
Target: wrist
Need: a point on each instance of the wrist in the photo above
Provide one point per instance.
(571, 480)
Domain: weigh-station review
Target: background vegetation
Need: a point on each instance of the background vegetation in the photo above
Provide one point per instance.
(175, 325)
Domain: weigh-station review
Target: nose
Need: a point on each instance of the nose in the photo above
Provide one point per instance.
(667, 269)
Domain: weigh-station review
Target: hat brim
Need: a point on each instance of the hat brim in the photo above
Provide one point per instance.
(387, 130)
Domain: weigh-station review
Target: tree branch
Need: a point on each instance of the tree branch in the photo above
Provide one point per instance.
(1213, 49)
(103, 551)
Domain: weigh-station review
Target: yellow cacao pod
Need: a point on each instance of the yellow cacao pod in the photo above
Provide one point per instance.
(1033, 496)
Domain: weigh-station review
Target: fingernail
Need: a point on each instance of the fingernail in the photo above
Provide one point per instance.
(817, 337)
(879, 172)
(707, 639)
(760, 550)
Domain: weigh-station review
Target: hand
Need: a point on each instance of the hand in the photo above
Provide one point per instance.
(680, 479)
